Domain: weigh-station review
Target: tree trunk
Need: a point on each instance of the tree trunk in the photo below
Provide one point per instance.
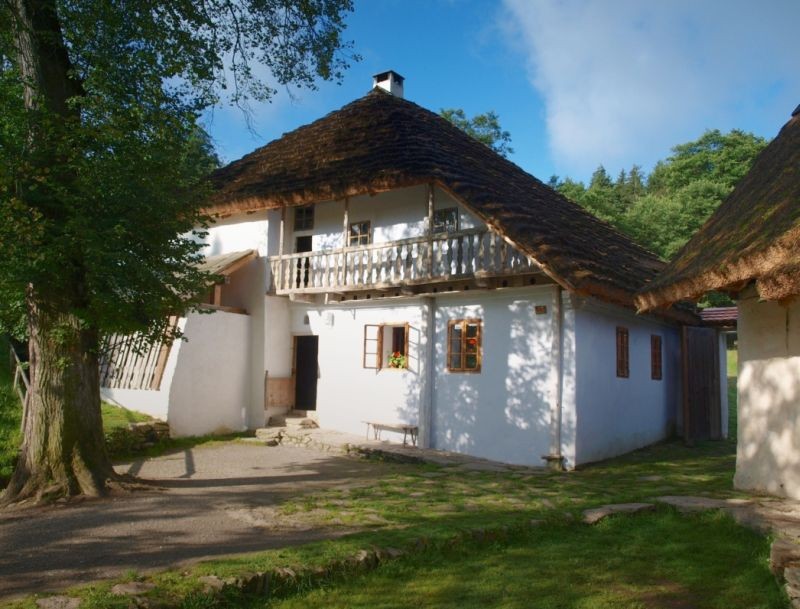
(63, 448)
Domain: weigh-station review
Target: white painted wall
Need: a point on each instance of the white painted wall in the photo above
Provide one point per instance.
(237, 233)
(209, 390)
(347, 393)
(502, 412)
(768, 452)
(616, 415)
(397, 214)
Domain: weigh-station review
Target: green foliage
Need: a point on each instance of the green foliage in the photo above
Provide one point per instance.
(98, 201)
(10, 416)
(663, 210)
(483, 127)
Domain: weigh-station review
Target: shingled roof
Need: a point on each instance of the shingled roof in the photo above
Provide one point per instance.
(754, 235)
(381, 142)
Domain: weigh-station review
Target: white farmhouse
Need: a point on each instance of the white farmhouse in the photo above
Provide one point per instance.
(750, 247)
(383, 266)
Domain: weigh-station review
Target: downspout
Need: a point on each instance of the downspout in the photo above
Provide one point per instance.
(555, 460)
(426, 409)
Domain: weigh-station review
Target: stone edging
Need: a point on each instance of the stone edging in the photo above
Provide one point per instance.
(283, 581)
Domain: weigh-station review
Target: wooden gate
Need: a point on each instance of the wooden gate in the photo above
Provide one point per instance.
(701, 384)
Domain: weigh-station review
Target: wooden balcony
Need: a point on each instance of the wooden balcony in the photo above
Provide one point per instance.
(471, 254)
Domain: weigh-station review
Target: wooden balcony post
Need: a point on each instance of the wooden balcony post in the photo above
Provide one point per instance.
(281, 246)
(430, 229)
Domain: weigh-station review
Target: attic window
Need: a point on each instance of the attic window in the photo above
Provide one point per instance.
(304, 218)
(360, 233)
(445, 220)
(623, 359)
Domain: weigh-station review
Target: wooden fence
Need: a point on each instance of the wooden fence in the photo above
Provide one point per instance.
(130, 362)
(21, 383)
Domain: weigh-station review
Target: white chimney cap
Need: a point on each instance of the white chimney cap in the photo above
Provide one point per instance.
(389, 81)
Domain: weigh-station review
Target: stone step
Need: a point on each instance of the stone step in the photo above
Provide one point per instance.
(292, 420)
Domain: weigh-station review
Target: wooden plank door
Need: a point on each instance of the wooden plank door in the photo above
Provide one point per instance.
(701, 384)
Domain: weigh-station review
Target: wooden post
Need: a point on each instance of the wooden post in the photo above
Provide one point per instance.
(281, 246)
(345, 238)
(430, 229)
(346, 223)
(685, 382)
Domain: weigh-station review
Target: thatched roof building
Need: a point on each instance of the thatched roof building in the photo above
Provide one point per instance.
(754, 236)
(381, 142)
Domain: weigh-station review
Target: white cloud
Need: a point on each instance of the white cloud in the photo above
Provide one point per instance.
(624, 81)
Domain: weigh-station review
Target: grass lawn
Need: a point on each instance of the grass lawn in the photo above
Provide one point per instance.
(11, 415)
(649, 560)
(652, 560)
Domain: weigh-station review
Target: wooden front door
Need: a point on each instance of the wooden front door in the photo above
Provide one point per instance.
(701, 384)
(306, 372)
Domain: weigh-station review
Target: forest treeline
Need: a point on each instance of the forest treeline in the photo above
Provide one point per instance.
(662, 210)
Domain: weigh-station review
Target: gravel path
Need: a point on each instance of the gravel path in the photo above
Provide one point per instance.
(215, 501)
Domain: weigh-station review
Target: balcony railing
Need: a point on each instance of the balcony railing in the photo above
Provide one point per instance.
(444, 257)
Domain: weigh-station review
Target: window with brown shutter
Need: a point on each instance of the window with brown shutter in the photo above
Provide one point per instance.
(655, 357)
(623, 370)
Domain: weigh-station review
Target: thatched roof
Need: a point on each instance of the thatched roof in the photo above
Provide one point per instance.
(754, 235)
(381, 142)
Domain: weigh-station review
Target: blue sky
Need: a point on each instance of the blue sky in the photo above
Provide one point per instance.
(576, 83)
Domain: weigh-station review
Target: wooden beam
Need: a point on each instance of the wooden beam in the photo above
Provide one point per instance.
(346, 223)
(243, 261)
(431, 202)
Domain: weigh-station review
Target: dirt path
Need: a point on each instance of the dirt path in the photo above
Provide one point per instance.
(215, 501)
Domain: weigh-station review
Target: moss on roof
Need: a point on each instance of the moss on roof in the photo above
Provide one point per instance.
(754, 235)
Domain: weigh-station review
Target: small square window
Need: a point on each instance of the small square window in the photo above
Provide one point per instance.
(623, 360)
(303, 218)
(445, 220)
(464, 345)
(360, 233)
(386, 346)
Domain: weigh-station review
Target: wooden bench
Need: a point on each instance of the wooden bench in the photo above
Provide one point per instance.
(408, 431)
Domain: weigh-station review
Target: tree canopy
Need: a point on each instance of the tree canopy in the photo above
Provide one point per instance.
(661, 211)
(103, 168)
(483, 127)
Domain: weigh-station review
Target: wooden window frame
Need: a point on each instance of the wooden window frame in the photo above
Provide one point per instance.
(623, 352)
(306, 211)
(359, 237)
(656, 357)
(442, 211)
(463, 324)
(373, 345)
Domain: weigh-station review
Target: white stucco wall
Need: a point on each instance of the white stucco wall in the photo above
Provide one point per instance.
(616, 415)
(502, 412)
(396, 214)
(347, 393)
(768, 452)
(237, 233)
(209, 390)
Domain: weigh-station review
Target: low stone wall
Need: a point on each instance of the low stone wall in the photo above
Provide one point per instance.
(136, 437)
